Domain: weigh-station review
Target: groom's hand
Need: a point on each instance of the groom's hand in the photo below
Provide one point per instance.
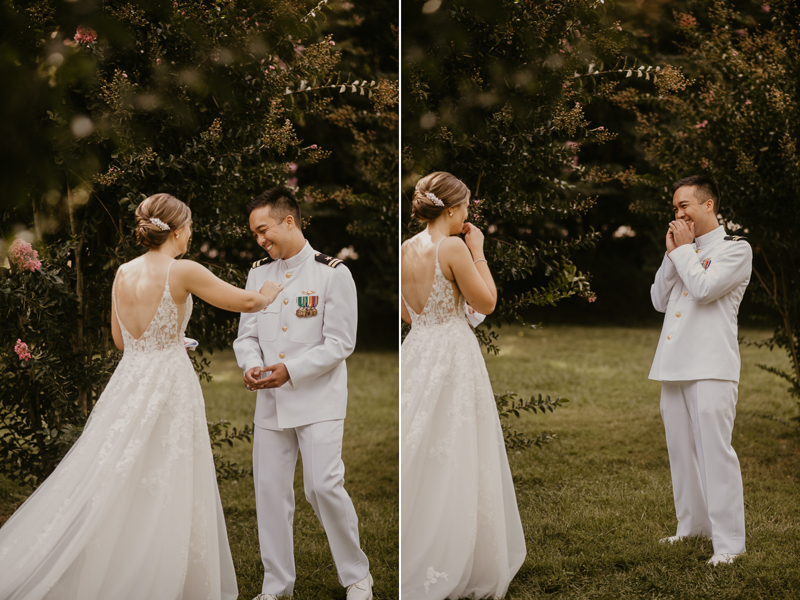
(252, 379)
(279, 376)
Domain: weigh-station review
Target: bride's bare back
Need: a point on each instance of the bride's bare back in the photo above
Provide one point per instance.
(138, 290)
(418, 264)
(140, 285)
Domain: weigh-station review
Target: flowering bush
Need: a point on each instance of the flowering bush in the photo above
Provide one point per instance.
(735, 116)
(22, 256)
(206, 100)
(498, 93)
(21, 348)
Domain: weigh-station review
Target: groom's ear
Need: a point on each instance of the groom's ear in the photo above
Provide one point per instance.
(290, 221)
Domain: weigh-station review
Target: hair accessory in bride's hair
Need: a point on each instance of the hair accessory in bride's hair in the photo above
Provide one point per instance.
(432, 197)
(159, 223)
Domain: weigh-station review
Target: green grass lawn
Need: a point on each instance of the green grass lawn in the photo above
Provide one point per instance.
(595, 502)
(370, 455)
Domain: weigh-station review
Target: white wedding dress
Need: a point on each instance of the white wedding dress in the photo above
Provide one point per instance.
(461, 534)
(133, 511)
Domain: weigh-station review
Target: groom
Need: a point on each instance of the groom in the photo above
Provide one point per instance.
(293, 353)
(699, 287)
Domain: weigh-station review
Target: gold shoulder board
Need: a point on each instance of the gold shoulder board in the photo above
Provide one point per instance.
(735, 238)
(327, 260)
(263, 261)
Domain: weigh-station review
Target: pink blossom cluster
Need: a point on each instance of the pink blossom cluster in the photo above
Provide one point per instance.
(24, 257)
(84, 35)
(21, 348)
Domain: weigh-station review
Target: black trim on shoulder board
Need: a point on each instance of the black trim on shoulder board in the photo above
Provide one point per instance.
(327, 260)
(735, 238)
(264, 261)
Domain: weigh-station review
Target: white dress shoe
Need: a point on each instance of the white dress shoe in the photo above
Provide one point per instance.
(721, 559)
(361, 590)
(266, 597)
(671, 539)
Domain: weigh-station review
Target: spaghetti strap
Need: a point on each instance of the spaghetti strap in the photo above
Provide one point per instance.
(437, 249)
(166, 285)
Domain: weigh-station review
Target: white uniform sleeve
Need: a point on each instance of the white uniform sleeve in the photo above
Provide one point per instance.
(246, 347)
(339, 323)
(726, 272)
(666, 278)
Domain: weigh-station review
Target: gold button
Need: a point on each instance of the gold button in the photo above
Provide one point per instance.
(282, 355)
(685, 293)
(697, 251)
(289, 275)
(283, 328)
(286, 301)
(669, 337)
(678, 315)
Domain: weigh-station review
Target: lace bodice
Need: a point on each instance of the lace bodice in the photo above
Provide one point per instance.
(164, 332)
(445, 303)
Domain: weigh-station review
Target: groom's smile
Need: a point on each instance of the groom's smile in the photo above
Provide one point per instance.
(270, 234)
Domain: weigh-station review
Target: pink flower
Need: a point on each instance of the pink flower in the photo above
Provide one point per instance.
(765, 8)
(333, 43)
(292, 182)
(313, 146)
(84, 35)
(741, 32)
(158, 61)
(292, 167)
(24, 257)
(21, 348)
(601, 128)
(747, 102)
(592, 299)
(701, 125)
(619, 28)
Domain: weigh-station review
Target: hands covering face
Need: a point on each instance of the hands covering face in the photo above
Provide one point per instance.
(679, 233)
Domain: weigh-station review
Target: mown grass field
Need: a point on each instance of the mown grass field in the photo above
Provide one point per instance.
(596, 501)
(370, 454)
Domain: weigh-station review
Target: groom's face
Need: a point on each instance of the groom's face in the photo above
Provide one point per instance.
(270, 234)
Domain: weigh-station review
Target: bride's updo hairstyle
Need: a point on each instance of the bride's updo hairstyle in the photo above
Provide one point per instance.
(435, 193)
(155, 214)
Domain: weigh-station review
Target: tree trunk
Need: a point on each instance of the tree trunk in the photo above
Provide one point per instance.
(78, 340)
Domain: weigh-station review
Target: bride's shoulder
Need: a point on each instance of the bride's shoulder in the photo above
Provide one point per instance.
(452, 244)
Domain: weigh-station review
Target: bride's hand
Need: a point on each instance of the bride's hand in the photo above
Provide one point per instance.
(473, 237)
(270, 289)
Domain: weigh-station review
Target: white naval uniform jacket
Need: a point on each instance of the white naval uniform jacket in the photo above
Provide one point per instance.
(313, 349)
(699, 339)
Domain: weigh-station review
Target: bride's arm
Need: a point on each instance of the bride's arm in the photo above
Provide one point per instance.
(193, 278)
(466, 261)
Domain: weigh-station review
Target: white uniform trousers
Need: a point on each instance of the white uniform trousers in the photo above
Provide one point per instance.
(706, 477)
(274, 460)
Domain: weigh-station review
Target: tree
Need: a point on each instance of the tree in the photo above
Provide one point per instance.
(737, 117)
(497, 93)
(210, 100)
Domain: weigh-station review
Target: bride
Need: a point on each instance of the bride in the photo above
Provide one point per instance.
(461, 534)
(133, 510)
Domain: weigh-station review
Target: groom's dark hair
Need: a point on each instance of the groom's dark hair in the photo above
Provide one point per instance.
(281, 202)
(706, 188)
